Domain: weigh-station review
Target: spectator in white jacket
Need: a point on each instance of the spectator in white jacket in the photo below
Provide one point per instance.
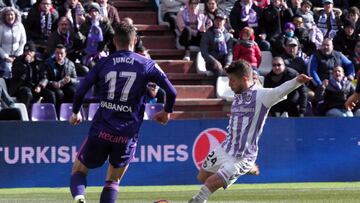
(12, 39)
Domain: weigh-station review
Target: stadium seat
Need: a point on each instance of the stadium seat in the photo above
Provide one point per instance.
(266, 63)
(66, 111)
(223, 90)
(43, 112)
(151, 110)
(93, 107)
(23, 111)
(201, 65)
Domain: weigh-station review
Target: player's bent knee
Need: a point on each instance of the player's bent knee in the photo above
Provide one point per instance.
(203, 176)
(79, 167)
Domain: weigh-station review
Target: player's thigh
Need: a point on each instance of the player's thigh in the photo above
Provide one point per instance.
(121, 153)
(94, 152)
(115, 174)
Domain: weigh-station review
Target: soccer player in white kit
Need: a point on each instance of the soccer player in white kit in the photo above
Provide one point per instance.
(237, 154)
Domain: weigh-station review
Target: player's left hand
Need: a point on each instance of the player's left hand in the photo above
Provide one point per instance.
(162, 117)
(302, 78)
(75, 119)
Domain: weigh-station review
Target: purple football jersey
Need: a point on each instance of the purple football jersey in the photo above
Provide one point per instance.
(121, 81)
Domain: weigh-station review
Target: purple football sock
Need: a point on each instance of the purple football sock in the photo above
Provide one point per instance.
(110, 192)
(78, 184)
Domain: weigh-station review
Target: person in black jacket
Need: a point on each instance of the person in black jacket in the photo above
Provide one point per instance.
(295, 104)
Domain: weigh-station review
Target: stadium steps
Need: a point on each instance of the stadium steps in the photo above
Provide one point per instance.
(159, 42)
(196, 93)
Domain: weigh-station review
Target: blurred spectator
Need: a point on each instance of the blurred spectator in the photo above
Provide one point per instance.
(334, 92)
(345, 39)
(217, 46)
(316, 36)
(296, 101)
(169, 9)
(154, 94)
(226, 6)
(262, 3)
(8, 111)
(302, 34)
(340, 4)
(353, 15)
(325, 59)
(211, 7)
(246, 14)
(12, 38)
(277, 43)
(274, 17)
(290, 56)
(108, 11)
(327, 20)
(355, 58)
(99, 35)
(65, 35)
(59, 76)
(306, 13)
(25, 83)
(295, 6)
(41, 22)
(191, 23)
(247, 49)
(74, 11)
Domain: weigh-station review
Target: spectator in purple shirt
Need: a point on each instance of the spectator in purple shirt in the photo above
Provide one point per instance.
(113, 135)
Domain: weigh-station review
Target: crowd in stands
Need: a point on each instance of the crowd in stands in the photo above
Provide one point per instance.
(47, 46)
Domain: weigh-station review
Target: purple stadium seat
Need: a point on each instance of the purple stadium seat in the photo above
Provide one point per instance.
(152, 109)
(93, 107)
(43, 112)
(66, 111)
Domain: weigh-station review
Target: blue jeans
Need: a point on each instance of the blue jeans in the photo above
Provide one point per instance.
(5, 69)
(335, 112)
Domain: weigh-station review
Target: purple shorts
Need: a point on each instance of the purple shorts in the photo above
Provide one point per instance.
(97, 149)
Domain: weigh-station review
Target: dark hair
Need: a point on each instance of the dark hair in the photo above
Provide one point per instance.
(60, 46)
(207, 8)
(124, 33)
(306, 2)
(240, 68)
(354, 10)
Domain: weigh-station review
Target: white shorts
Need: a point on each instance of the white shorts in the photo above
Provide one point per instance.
(227, 167)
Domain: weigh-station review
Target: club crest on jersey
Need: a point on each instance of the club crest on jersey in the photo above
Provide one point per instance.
(205, 142)
(247, 97)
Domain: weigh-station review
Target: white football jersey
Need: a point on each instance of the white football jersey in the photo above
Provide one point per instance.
(248, 113)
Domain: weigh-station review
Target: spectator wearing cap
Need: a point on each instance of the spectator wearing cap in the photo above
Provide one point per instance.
(302, 34)
(216, 46)
(296, 102)
(191, 23)
(58, 75)
(345, 39)
(277, 43)
(327, 20)
(306, 13)
(291, 56)
(322, 62)
(99, 34)
(74, 11)
(12, 38)
(245, 13)
(41, 22)
(247, 49)
(273, 19)
(25, 84)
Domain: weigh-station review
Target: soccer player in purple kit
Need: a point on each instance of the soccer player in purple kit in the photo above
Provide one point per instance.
(113, 135)
(236, 156)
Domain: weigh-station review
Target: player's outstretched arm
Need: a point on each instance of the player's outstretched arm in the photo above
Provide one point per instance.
(302, 78)
(75, 119)
(351, 101)
(162, 117)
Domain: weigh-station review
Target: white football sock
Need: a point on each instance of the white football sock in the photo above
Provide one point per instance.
(203, 194)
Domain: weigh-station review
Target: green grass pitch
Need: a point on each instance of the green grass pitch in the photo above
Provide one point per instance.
(348, 192)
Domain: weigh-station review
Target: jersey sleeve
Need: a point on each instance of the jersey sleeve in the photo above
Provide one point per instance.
(271, 96)
(157, 76)
(85, 85)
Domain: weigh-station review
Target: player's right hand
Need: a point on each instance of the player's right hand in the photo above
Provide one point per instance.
(302, 78)
(162, 117)
(75, 119)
